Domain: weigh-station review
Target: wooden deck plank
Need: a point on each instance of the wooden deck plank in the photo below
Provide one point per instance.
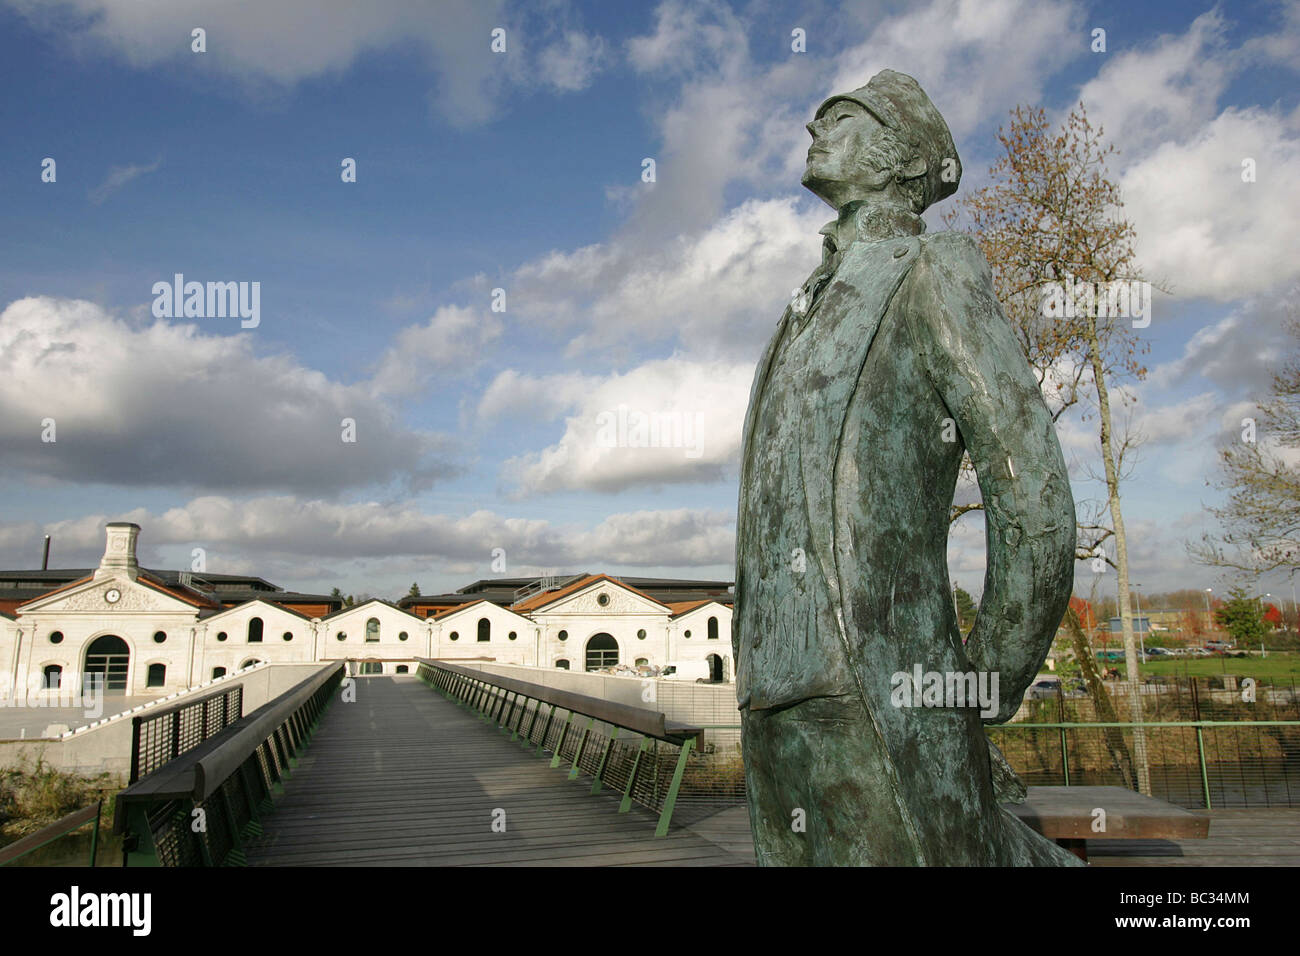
(403, 777)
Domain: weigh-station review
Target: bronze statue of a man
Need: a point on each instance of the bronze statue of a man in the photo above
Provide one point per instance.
(893, 359)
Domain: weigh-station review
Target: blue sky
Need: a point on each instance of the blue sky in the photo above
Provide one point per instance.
(522, 171)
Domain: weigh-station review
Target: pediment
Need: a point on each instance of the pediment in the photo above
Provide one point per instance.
(622, 600)
(92, 596)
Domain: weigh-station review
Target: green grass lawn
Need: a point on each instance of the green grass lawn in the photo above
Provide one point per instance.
(1278, 666)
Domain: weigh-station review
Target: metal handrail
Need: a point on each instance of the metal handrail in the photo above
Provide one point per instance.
(650, 723)
(499, 699)
(232, 710)
(225, 782)
(59, 828)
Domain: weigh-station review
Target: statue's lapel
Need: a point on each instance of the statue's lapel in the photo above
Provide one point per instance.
(849, 315)
(756, 390)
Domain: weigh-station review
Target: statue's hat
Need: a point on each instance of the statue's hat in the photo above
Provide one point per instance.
(899, 103)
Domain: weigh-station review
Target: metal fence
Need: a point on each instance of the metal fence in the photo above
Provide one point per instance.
(68, 824)
(168, 732)
(199, 808)
(634, 751)
(1195, 764)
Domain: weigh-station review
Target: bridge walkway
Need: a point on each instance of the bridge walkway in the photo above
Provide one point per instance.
(404, 777)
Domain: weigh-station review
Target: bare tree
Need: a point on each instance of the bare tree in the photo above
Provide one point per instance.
(1261, 519)
(1049, 225)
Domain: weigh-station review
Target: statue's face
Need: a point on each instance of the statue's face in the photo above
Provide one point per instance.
(841, 137)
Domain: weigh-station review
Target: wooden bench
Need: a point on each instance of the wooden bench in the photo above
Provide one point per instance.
(1066, 814)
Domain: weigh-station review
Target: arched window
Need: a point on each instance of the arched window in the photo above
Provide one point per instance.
(218, 672)
(484, 629)
(372, 630)
(107, 662)
(159, 637)
(372, 667)
(249, 663)
(562, 664)
(52, 677)
(255, 631)
(713, 628)
(642, 662)
(157, 675)
(602, 651)
(403, 669)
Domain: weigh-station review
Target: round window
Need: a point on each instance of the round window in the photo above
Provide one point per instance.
(402, 636)
(640, 635)
(563, 635)
(288, 635)
(159, 637)
(342, 635)
(513, 635)
(221, 636)
(686, 634)
(56, 637)
(602, 599)
(455, 635)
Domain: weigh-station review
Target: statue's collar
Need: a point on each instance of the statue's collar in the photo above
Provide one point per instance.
(869, 221)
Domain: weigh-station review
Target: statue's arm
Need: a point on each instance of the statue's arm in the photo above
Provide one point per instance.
(977, 367)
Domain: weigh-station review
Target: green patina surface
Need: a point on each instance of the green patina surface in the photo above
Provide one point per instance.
(893, 360)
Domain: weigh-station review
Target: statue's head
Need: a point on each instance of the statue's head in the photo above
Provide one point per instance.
(885, 140)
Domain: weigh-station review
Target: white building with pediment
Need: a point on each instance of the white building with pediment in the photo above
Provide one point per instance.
(138, 632)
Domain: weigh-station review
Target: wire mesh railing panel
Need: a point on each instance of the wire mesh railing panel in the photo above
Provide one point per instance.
(1241, 765)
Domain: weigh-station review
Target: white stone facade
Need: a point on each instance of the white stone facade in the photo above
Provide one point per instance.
(173, 645)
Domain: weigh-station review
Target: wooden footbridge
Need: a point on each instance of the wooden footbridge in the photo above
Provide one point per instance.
(459, 767)
(450, 767)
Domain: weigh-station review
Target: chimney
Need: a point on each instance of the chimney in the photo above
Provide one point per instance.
(119, 551)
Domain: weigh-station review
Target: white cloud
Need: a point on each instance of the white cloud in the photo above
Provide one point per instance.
(451, 342)
(119, 176)
(698, 408)
(170, 405)
(975, 59)
(719, 291)
(570, 63)
(285, 535)
(274, 44)
(1200, 227)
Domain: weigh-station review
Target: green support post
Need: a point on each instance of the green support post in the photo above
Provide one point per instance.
(546, 730)
(137, 826)
(604, 759)
(1205, 776)
(559, 745)
(1065, 759)
(94, 834)
(582, 745)
(671, 800)
(626, 803)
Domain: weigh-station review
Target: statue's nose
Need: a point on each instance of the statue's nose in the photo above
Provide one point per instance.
(811, 128)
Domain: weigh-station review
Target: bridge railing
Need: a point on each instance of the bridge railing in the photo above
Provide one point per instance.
(635, 751)
(166, 733)
(199, 808)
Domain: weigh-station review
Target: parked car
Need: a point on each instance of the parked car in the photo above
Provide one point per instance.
(697, 671)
